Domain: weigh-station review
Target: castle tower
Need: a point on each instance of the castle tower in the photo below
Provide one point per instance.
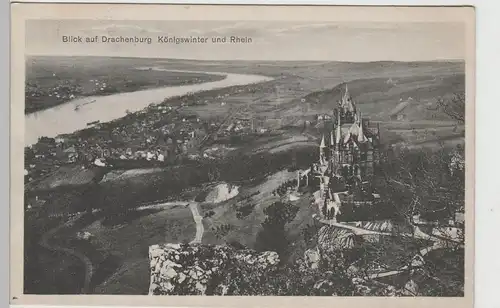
(348, 108)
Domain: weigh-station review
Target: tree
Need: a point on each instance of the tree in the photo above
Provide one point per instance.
(310, 233)
(213, 173)
(421, 184)
(454, 107)
(273, 235)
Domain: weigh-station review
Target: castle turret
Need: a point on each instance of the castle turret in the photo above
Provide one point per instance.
(322, 147)
(322, 144)
(338, 133)
(348, 108)
(361, 135)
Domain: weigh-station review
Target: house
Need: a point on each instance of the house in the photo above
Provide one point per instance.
(149, 156)
(71, 154)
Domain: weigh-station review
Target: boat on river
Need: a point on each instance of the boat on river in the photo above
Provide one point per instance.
(93, 123)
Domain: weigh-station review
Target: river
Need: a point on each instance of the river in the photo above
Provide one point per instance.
(64, 119)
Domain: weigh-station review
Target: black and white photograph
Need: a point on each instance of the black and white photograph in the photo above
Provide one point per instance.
(245, 157)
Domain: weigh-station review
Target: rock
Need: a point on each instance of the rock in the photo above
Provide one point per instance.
(154, 251)
(417, 261)
(181, 278)
(222, 192)
(169, 286)
(168, 273)
(194, 272)
(152, 288)
(410, 288)
(200, 287)
(158, 266)
(312, 258)
(352, 270)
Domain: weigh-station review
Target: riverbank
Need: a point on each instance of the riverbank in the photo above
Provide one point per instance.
(129, 125)
(50, 82)
(64, 119)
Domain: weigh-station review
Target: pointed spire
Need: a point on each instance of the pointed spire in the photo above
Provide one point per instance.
(338, 134)
(361, 134)
(322, 144)
(347, 102)
(354, 129)
(378, 132)
(347, 137)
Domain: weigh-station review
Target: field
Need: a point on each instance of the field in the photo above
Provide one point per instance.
(130, 242)
(258, 163)
(244, 228)
(302, 90)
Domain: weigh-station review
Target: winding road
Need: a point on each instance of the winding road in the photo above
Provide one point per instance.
(193, 206)
(89, 267)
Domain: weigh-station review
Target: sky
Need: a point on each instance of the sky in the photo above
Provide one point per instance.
(273, 40)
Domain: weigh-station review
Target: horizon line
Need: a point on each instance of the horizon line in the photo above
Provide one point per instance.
(248, 60)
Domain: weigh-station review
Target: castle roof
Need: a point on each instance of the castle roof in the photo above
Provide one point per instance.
(322, 144)
(361, 136)
(347, 103)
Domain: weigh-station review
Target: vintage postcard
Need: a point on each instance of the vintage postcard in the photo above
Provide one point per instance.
(222, 156)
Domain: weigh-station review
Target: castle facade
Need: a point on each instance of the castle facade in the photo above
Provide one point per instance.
(348, 155)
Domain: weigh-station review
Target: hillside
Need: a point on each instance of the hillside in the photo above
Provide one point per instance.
(378, 97)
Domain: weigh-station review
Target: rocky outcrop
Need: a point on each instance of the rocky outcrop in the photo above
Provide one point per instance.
(312, 257)
(182, 269)
(374, 288)
(222, 192)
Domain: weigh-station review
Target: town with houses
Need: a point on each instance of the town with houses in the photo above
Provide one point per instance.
(157, 135)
